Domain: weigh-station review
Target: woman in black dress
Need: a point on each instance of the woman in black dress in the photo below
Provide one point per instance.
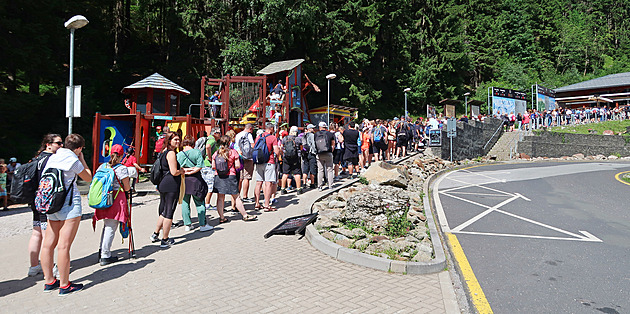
(169, 189)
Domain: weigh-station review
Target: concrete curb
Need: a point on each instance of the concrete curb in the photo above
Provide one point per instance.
(366, 260)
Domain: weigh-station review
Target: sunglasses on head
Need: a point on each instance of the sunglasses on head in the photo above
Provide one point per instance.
(58, 143)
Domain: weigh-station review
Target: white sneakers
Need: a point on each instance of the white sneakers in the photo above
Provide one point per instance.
(206, 228)
(35, 270)
(188, 228)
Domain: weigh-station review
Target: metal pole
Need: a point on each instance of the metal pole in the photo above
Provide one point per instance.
(71, 81)
(451, 148)
(405, 106)
(328, 118)
(466, 105)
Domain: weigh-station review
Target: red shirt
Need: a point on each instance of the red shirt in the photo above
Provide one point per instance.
(129, 161)
(271, 142)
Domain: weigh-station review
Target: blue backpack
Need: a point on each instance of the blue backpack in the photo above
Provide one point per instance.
(261, 153)
(102, 187)
(378, 134)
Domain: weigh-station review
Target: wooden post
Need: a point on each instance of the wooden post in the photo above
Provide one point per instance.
(96, 128)
(138, 136)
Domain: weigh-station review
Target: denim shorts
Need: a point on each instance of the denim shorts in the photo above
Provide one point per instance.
(68, 211)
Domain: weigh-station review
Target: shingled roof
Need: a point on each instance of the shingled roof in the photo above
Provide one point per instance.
(280, 66)
(612, 80)
(156, 81)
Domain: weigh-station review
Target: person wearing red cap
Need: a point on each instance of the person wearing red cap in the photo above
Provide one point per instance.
(119, 211)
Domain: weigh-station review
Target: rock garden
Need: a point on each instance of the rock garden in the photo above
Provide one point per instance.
(383, 213)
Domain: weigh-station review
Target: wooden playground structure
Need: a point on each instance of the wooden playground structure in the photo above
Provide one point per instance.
(154, 102)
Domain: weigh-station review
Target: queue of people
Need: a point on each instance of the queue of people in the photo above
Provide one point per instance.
(279, 160)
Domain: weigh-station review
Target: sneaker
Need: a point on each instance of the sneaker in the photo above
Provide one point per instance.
(283, 191)
(108, 260)
(166, 243)
(205, 228)
(337, 178)
(48, 287)
(55, 271)
(71, 287)
(34, 271)
(188, 228)
(320, 189)
(291, 189)
(273, 201)
(249, 200)
(299, 191)
(155, 237)
(210, 207)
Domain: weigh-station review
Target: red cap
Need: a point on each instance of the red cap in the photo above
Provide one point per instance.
(284, 133)
(118, 149)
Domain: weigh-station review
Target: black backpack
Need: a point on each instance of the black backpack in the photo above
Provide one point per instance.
(26, 180)
(156, 171)
(290, 148)
(322, 142)
(51, 192)
(223, 170)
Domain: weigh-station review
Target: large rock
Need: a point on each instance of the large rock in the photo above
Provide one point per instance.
(361, 244)
(346, 232)
(422, 257)
(324, 222)
(384, 173)
(371, 208)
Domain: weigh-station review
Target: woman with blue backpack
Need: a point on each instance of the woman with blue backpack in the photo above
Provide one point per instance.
(63, 224)
(119, 209)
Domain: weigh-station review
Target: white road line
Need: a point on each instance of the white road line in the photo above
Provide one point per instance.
(473, 193)
(481, 186)
(540, 224)
(481, 174)
(527, 236)
(438, 205)
(486, 212)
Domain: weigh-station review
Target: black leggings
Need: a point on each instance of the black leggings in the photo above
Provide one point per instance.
(168, 203)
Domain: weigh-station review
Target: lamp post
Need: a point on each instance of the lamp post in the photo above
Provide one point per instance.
(329, 77)
(72, 24)
(466, 103)
(406, 90)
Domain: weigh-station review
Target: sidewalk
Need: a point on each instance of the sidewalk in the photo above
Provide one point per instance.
(230, 269)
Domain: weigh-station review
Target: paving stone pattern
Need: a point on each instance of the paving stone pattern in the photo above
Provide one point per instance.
(231, 269)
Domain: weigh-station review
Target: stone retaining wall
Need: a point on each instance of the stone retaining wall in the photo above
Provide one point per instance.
(470, 140)
(553, 144)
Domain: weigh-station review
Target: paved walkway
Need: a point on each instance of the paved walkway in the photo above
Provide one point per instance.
(231, 269)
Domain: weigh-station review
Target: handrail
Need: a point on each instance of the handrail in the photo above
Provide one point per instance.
(495, 133)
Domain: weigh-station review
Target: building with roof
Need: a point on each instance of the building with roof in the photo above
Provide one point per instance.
(610, 90)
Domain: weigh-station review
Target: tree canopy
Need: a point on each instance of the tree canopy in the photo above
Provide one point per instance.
(440, 49)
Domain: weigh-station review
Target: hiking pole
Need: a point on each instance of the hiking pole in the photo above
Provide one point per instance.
(132, 246)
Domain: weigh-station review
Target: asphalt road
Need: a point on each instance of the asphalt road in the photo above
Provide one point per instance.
(550, 237)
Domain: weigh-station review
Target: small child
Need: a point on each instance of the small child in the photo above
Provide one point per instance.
(3, 185)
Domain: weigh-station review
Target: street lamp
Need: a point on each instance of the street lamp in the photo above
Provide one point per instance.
(406, 90)
(466, 103)
(329, 77)
(73, 23)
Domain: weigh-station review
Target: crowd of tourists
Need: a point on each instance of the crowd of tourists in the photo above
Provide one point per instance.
(534, 119)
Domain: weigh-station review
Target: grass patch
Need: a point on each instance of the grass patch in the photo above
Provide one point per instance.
(600, 127)
(626, 177)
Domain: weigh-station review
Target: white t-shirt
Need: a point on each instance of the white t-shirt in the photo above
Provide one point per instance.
(238, 138)
(66, 160)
